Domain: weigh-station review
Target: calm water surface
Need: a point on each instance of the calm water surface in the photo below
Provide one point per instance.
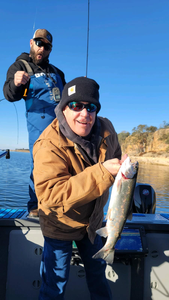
(14, 181)
(158, 177)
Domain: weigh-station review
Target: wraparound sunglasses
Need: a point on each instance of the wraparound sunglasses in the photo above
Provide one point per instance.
(78, 106)
(40, 43)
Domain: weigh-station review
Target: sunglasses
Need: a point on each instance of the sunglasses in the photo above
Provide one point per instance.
(78, 106)
(46, 46)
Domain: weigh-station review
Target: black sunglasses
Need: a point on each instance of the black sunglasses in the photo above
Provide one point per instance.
(78, 106)
(40, 43)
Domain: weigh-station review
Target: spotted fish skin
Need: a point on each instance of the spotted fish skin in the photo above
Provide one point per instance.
(119, 209)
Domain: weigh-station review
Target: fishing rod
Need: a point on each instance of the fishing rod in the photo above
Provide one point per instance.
(87, 55)
(87, 52)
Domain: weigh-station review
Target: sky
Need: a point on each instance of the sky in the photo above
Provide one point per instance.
(128, 55)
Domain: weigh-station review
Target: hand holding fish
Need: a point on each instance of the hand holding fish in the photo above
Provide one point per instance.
(113, 165)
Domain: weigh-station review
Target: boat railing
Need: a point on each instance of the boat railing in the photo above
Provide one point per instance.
(6, 153)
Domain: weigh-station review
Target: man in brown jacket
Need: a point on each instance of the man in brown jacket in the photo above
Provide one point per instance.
(75, 161)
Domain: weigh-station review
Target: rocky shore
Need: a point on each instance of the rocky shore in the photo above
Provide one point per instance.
(148, 147)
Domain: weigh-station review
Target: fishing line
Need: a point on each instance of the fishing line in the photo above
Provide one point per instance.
(17, 119)
(35, 19)
(87, 55)
(4, 183)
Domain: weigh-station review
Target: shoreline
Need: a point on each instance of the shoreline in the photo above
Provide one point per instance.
(20, 150)
(163, 161)
(157, 160)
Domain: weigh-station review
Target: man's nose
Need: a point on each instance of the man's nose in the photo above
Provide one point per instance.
(84, 112)
(41, 47)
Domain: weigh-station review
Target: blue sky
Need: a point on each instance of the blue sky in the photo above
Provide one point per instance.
(128, 56)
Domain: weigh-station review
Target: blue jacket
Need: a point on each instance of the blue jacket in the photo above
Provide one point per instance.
(41, 95)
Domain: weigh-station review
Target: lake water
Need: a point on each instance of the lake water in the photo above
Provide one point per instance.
(14, 181)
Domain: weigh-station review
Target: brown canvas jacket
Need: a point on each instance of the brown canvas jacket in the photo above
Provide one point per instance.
(71, 192)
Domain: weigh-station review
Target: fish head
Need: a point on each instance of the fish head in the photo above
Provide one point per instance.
(129, 169)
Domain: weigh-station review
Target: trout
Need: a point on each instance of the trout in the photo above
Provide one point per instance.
(119, 209)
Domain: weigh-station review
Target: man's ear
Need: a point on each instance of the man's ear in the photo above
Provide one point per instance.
(31, 42)
(64, 110)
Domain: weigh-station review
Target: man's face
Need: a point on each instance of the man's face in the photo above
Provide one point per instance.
(80, 122)
(38, 53)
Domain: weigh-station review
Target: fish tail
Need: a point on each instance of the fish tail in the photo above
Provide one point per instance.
(106, 254)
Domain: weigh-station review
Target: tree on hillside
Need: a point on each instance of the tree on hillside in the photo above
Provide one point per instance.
(140, 134)
(140, 129)
(151, 129)
(165, 125)
(122, 136)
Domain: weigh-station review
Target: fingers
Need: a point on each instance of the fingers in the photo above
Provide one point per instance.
(113, 165)
(21, 77)
(123, 158)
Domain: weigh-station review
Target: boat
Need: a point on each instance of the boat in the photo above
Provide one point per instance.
(140, 270)
(5, 153)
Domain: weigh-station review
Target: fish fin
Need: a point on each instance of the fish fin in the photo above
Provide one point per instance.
(110, 257)
(102, 232)
(106, 254)
(108, 216)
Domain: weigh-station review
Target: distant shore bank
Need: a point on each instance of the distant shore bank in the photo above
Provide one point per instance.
(164, 161)
(20, 150)
(157, 160)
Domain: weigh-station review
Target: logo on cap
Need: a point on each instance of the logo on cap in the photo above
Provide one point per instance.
(71, 90)
(49, 37)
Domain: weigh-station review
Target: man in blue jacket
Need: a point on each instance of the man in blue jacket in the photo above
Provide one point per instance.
(40, 84)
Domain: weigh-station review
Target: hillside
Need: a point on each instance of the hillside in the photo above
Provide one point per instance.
(146, 146)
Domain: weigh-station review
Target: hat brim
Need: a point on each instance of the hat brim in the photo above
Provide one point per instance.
(41, 37)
